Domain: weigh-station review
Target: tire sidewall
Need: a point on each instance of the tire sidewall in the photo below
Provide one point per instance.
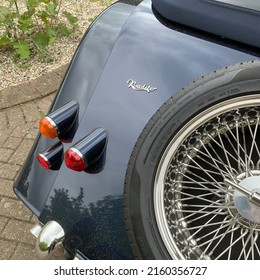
(229, 83)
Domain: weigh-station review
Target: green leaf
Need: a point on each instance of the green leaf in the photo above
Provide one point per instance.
(50, 8)
(25, 25)
(43, 15)
(65, 31)
(45, 1)
(22, 49)
(38, 23)
(5, 11)
(52, 33)
(4, 41)
(2, 18)
(71, 19)
(28, 14)
(32, 3)
(41, 40)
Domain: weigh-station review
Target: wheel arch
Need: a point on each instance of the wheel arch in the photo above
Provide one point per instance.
(232, 80)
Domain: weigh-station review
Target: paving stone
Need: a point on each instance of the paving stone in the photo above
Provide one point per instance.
(15, 117)
(36, 124)
(24, 252)
(3, 121)
(13, 208)
(48, 81)
(32, 132)
(20, 155)
(31, 112)
(8, 171)
(12, 96)
(21, 131)
(21, 109)
(3, 222)
(12, 142)
(5, 154)
(19, 231)
(6, 188)
(61, 70)
(44, 105)
(7, 249)
(34, 220)
(3, 136)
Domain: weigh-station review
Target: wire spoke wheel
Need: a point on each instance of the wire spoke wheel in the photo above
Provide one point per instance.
(197, 213)
(192, 188)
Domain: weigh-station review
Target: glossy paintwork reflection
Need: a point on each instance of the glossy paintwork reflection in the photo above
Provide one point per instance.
(89, 206)
(98, 228)
(78, 84)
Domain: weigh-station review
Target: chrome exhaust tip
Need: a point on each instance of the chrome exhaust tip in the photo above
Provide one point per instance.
(49, 240)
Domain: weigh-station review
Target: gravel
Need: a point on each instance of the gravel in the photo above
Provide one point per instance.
(61, 51)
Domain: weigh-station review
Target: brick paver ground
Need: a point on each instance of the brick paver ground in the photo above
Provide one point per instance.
(20, 109)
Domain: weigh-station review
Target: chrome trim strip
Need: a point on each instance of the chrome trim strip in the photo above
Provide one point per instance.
(54, 124)
(78, 152)
(45, 159)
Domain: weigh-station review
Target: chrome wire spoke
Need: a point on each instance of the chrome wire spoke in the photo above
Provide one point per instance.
(212, 206)
(216, 231)
(252, 238)
(248, 239)
(232, 244)
(216, 192)
(216, 213)
(251, 249)
(253, 135)
(210, 212)
(217, 162)
(216, 186)
(213, 172)
(237, 150)
(202, 211)
(207, 225)
(218, 236)
(214, 141)
(226, 153)
(201, 197)
(245, 149)
(206, 216)
(213, 180)
(256, 245)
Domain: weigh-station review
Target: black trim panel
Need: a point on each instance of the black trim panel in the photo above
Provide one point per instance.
(249, 4)
(225, 20)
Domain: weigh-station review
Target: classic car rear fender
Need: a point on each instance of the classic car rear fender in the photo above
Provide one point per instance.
(120, 77)
(34, 183)
(78, 84)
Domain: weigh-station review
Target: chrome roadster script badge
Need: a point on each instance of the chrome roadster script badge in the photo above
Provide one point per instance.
(133, 85)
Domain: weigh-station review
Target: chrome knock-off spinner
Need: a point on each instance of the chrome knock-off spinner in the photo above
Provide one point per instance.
(247, 197)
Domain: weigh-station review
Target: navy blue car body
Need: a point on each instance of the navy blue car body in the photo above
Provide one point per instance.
(129, 63)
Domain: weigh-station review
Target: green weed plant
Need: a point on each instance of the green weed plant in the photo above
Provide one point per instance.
(32, 27)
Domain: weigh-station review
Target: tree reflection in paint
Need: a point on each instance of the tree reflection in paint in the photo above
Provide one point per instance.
(97, 230)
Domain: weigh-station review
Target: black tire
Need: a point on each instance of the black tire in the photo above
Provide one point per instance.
(177, 204)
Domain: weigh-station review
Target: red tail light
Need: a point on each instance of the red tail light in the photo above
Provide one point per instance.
(75, 160)
(52, 158)
(88, 152)
(43, 161)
